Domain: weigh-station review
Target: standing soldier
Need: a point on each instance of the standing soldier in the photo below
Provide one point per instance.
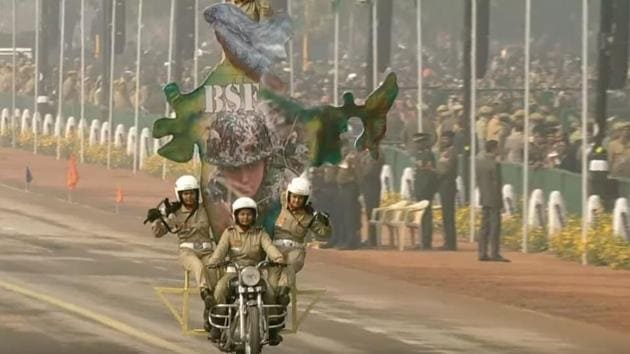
(189, 222)
(536, 120)
(350, 209)
(491, 200)
(296, 220)
(425, 187)
(538, 147)
(370, 186)
(494, 128)
(485, 112)
(619, 153)
(447, 174)
(446, 121)
(329, 193)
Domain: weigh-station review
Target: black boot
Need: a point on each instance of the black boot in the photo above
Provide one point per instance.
(205, 292)
(274, 337)
(209, 302)
(284, 295)
(214, 334)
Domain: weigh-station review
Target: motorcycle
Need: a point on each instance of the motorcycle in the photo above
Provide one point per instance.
(245, 320)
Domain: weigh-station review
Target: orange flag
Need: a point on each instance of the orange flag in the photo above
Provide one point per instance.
(119, 195)
(72, 177)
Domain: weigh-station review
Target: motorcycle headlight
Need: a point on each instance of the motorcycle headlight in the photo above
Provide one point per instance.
(250, 276)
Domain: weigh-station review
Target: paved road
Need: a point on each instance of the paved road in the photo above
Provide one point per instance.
(78, 280)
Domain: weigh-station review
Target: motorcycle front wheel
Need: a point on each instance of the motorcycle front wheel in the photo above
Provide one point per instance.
(251, 342)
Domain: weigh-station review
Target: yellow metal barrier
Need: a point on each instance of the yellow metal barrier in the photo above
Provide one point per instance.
(184, 320)
(296, 319)
(183, 317)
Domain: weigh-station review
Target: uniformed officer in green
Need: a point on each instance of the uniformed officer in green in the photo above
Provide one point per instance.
(192, 228)
(447, 175)
(491, 199)
(425, 186)
(296, 221)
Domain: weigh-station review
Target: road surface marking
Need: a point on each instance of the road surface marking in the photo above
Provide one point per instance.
(102, 319)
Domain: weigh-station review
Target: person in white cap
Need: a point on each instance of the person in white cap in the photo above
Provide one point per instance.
(246, 244)
(186, 219)
(297, 220)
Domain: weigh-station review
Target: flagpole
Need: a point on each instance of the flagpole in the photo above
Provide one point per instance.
(110, 117)
(584, 128)
(196, 69)
(195, 56)
(82, 103)
(419, 60)
(374, 44)
(351, 31)
(305, 41)
(13, 79)
(169, 69)
(528, 11)
(136, 113)
(291, 63)
(35, 128)
(336, 53)
(473, 108)
(62, 23)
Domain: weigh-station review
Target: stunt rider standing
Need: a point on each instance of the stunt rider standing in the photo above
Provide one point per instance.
(190, 224)
(296, 219)
(246, 244)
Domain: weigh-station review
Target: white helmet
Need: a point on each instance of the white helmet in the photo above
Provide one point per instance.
(186, 183)
(300, 186)
(244, 203)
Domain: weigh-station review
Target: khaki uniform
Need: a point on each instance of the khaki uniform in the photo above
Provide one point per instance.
(481, 129)
(514, 145)
(494, 129)
(290, 233)
(619, 158)
(447, 124)
(246, 248)
(70, 88)
(195, 243)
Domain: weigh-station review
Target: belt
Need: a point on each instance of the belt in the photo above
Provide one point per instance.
(287, 243)
(196, 245)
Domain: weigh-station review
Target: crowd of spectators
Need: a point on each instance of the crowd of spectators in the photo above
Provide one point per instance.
(555, 100)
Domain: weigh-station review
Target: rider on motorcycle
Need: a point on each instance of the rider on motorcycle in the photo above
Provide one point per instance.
(297, 218)
(190, 224)
(246, 244)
